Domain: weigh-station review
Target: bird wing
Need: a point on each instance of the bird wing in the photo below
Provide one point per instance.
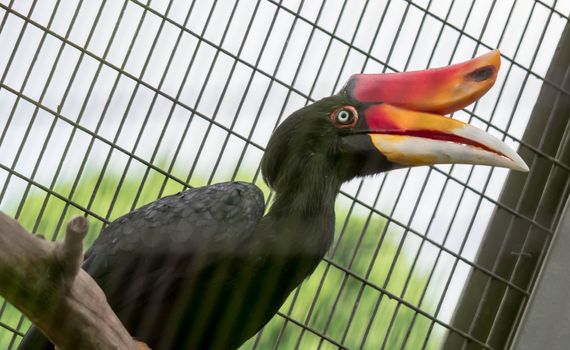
(162, 241)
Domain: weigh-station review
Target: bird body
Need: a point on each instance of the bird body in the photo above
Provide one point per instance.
(188, 271)
(206, 269)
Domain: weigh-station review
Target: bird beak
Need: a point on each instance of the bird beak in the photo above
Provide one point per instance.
(405, 112)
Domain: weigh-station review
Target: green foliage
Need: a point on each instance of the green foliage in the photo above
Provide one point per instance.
(345, 308)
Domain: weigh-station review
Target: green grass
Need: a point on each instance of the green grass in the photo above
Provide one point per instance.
(345, 322)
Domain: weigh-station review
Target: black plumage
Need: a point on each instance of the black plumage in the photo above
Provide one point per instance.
(168, 268)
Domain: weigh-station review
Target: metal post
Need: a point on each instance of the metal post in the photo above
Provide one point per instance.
(547, 316)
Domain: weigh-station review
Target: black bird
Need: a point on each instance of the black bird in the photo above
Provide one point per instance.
(205, 269)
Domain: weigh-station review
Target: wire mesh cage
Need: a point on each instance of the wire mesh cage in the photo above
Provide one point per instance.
(108, 105)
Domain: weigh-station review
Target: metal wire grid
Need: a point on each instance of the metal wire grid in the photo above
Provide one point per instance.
(164, 16)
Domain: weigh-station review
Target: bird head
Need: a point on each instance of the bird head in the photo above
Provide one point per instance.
(379, 122)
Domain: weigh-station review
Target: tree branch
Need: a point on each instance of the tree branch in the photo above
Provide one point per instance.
(45, 282)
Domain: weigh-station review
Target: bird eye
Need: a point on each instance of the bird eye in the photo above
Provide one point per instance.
(345, 116)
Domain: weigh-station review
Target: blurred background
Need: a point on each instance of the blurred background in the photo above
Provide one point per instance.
(108, 105)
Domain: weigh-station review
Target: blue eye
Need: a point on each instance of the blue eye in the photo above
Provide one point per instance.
(345, 116)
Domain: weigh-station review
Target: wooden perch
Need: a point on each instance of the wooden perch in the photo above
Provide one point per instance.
(45, 282)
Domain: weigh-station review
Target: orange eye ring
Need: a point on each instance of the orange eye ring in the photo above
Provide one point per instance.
(344, 117)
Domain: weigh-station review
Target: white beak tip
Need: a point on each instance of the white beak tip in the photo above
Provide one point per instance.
(520, 165)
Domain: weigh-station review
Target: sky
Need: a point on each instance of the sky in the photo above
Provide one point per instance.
(215, 85)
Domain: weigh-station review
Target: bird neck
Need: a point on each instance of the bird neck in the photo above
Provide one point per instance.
(302, 214)
(309, 194)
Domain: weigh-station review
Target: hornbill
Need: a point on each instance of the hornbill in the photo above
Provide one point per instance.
(206, 269)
